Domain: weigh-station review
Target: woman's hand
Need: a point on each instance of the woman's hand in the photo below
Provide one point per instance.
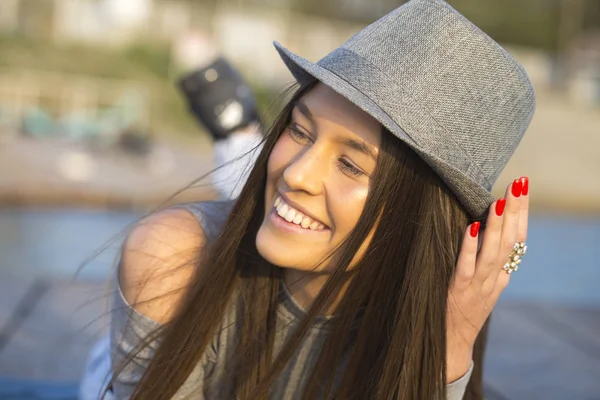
(480, 277)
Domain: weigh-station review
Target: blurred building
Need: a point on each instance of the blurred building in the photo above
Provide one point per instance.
(9, 15)
(244, 30)
(100, 20)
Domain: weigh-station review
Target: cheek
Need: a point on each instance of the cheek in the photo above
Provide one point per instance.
(347, 200)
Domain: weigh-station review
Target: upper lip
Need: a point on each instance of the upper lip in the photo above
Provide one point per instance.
(301, 209)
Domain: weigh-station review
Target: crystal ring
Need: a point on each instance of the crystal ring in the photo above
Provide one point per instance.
(514, 259)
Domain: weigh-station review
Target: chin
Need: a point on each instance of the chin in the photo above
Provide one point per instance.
(279, 252)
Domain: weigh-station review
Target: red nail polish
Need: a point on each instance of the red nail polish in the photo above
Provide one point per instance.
(475, 228)
(525, 182)
(500, 206)
(517, 187)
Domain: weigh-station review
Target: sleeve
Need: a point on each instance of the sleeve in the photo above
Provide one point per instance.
(127, 329)
(456, 389)
(234, 157)
(96, 374)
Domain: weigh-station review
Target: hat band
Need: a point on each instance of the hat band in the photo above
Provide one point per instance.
(426, 132)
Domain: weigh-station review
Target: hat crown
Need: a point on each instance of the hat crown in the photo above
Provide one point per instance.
(459, 78)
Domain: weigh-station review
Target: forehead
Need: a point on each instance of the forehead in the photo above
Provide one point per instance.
(331, 109)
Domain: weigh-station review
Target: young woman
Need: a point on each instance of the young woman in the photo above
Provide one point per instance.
(352, 266)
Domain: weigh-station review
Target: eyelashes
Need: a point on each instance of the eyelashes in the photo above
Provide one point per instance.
(349, 168)
(344, 165)
(298, 135)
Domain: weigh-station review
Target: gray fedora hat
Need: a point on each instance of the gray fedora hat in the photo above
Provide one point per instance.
(439, 84)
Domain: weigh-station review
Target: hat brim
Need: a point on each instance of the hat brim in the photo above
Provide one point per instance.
(471, 195)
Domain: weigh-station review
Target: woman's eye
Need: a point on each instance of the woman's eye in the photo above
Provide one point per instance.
(298, 135)
(348, 168)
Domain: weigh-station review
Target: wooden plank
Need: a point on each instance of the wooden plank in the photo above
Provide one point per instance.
(17, 389)
(53, 343)
(530, 354)
(578, 327)
(12, 290)
(527, 359)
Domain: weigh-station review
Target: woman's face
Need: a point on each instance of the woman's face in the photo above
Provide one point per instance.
(317, 180)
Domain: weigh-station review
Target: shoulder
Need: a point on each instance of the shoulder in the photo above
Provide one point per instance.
(210, 214)
(161, 254)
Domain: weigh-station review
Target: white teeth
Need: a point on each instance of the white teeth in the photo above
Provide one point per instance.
(289, 217)
(282, 210)
(305, 222)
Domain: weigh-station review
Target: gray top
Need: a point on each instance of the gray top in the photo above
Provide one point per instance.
(128, 326)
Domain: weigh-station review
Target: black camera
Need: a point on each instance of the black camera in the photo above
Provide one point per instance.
(219, 98)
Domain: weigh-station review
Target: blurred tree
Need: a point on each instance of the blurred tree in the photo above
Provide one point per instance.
(532, 23)
(154, 57)
(592, 15)
(35, 17)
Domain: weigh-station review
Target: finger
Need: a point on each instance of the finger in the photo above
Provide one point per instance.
(501, 284)
(503, 279)
(487, 259)
(524, 212)
(465, 266)
(510, 225)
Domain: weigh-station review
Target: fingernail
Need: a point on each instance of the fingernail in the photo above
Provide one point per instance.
(525, 182)
(517, 187)
(500, 206)
(475, 228)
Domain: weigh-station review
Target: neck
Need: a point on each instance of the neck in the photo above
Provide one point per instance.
(305, 286)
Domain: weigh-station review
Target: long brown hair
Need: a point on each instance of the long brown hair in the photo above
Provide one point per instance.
(390, 326)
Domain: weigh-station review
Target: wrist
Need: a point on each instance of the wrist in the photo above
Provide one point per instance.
(458, 363)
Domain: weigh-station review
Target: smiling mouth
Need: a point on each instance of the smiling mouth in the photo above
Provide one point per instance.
(293, 216)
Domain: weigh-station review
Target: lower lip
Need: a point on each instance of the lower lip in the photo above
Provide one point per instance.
(284, 225)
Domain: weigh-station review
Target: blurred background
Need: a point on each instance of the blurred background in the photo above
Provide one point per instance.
(94, 133)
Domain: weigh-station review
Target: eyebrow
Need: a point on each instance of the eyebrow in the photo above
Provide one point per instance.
(361, 146)
(303, 109)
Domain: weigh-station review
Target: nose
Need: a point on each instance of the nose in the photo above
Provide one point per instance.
(306, 172)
